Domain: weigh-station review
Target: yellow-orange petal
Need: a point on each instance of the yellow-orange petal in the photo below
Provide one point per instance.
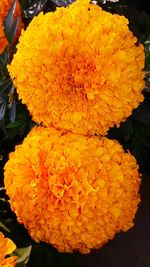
(82, 69)
(7, 246)
(72, 202)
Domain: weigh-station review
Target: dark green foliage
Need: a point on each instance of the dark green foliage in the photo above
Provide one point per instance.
(23, 255)
(11, 24)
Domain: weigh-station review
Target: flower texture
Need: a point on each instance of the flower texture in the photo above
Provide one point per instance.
(72, 191)
(79, 68)
(3, 39)
(6, 248)
(5, 6)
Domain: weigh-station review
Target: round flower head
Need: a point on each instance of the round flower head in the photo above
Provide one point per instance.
(3, 39)
(5, 6)
(72, 191)
(6, 248)
(79, 68)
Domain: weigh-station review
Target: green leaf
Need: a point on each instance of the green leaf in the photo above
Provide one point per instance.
(11, 24)
(12, 104)
(14, 124)
(13, 31)
(3, 226)
(5, 85)
(23, 255)
(10, 17)
(4, 61)
(147, 55)
(4, 58)
(3, 105)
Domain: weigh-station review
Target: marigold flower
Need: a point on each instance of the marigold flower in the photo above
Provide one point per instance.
(79, 68)
(3, 39)
(72, 191)
(5, 6)
(6, 248)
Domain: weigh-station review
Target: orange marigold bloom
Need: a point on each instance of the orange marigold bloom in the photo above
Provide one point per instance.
(72, 191)
(5, 6)
(6, 248)
(79, 68)
(3, 39)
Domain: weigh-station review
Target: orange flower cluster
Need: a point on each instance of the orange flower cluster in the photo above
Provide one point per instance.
(82, 69)
(3, 39)
(72, 191)
(6, 248)
(5, 6)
